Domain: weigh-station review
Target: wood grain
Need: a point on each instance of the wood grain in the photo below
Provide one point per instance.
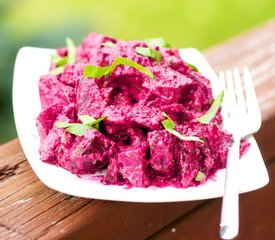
(30, 210)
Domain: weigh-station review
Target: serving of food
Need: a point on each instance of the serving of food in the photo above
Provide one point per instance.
(135, 108)
(117, 120)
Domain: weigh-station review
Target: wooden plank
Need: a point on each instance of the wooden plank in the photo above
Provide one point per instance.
(118, 220)
(246, 49)
(10, 148)
(6, 233)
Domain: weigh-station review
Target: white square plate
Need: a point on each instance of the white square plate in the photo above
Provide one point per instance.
(33, 62)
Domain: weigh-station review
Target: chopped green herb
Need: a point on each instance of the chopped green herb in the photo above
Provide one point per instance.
(77, 129)
(80, 128)
(158, 42)
(194, 68)
(71, 51)
(185, 138)
(63, 124)
(200, 176)
(86, 119)
(96, 121)
(57, 71)
(97, 72)
(169, 125)
(60, 62)
(149, 52)
(212, 111)
(108, 44)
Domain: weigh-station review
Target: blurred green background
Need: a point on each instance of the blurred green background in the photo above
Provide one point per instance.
(183, 23)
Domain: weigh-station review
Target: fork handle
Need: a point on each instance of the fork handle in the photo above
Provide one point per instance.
(229, 225)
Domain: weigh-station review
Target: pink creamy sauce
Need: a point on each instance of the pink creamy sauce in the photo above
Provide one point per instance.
(132, 144)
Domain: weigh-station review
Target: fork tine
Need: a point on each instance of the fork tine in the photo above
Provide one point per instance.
(222, 79)
(239, 91)
(225, 102)
(253, 108)
(230, 91)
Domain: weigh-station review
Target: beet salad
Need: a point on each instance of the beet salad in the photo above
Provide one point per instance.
(132, 108)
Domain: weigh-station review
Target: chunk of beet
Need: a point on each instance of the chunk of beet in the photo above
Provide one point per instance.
(162, 159)
(54, 92)
(89, 99)
(207, 156)
(88, 153)
(129, 166)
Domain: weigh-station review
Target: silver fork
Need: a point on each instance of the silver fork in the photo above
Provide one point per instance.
(242, 117)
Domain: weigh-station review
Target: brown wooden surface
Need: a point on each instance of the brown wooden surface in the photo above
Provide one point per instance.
(30, 210)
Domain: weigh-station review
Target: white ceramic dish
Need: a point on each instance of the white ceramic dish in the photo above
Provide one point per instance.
(33, 62)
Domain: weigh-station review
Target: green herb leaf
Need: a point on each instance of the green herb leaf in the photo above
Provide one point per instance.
(194, 68)
(71, 51)
(185, 138)
(158, 42)
(108, 44)
(57, 71)
(80, 128)
(149, 52)
(128, 62)
(97, 72)
(77, 129)
(170, 125)
(212, 111)
(74, 128)
(63, 124)
(59, 61)
(200, 176)
(96, 121)
(86, 119)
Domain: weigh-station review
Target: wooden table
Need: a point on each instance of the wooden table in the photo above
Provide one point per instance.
(30, 210)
